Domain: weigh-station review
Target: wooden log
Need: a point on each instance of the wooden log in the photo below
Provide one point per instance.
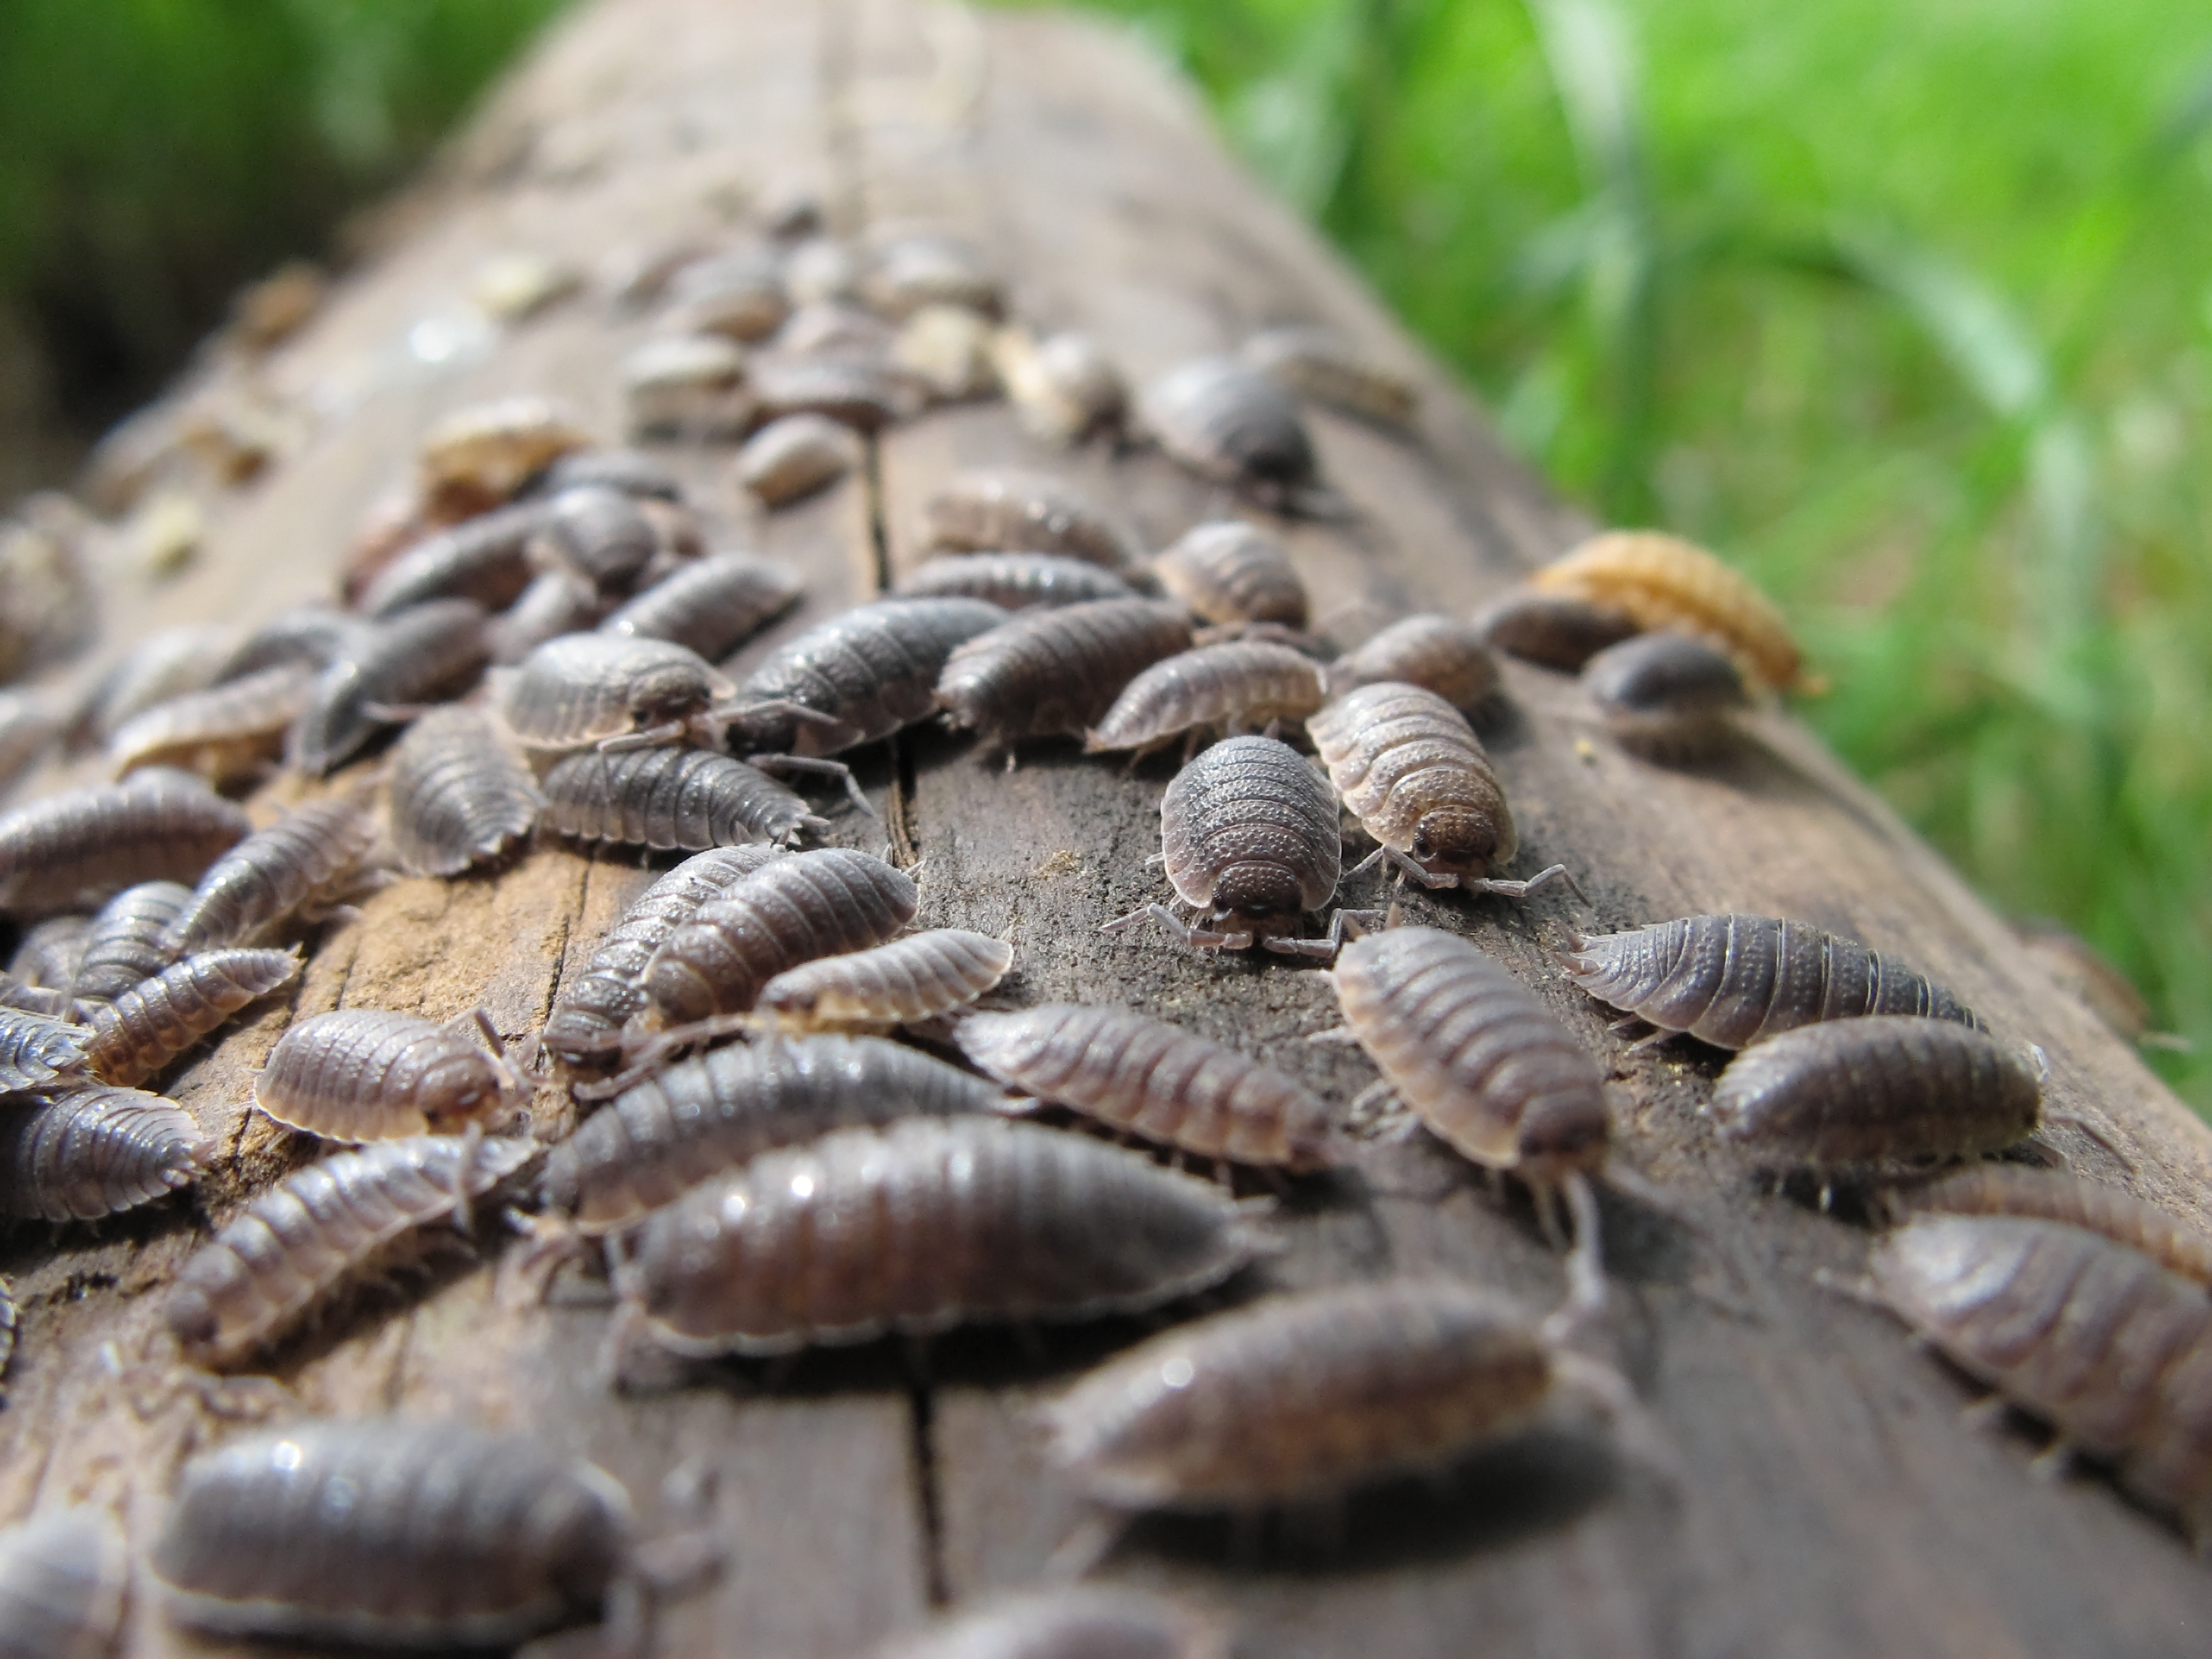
(1834, 1506)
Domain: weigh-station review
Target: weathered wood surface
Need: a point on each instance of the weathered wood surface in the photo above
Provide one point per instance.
(1836, 1505)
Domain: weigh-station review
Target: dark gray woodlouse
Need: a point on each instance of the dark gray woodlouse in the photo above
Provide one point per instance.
(1243, 683)
(349, 1219)
(1232, 425)
(711, 606)
(1050, 673)
(630, 471)
(2052, 1195)
(1319, 363)
(1732, 979)
(361, 1074)
(1432, 651)
(1557, 631)
(128, 940)
(481, 558)
(1014, 581)
(1080, 1622)
(603, 536)
(1001, 510)
(917, 1228)
(36, 1048)
(555, 603)
(80, 847)
(1883, 1092)
(859, 676)
(909, 980)
(306, 854)
(420, 655)
(703, 1117)
(83, 1153)
(670, 798)
(789, 459)
(794, 910)
(305, 636)
(865, 396)
(63, 1575)
(1666, 696)
(139, 1033)
(2107, 1346)
(1231, 571)
(457, 797)
(583, 689)
(1154, 1080)
(391, 1533)
(226, 733)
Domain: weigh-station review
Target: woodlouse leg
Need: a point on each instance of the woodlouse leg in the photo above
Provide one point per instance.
(1543, 878)
(525, 1278)
(828, 768)
(1343, 1035)
(1586, 1291)
(1656, 1037)
(2084, 1127)
(650, 736)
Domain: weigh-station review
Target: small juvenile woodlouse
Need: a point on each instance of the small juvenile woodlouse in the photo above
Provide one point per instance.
(63, 1575)
(139, 1033)
(36, 1048)
(80, 848)
(703, 1117)
(670, 797)
(1081, 1622)
(791, 911)
(1432, 651)
(458, 797)
(947, 350)
(1249, 838)
(1555, 630)
(1014, 581)
(1231, 425)
(304, 855)
(363, 1074)
(1666, 696)
(854, 1237)
(226, 733)
(1884, 1092)
(1063, 388)
(484, 453)
(789, 459)
(582, 688)
(1732, 979)
(1154, 1080)
(1231, 571)
(2053, 1195)
(1000, 510)
(1052, 673)
(418, 656)
(127, 942)
(87, 1153)
(601, 535)
(1317, 362)
(902, 983)
(350, 1219)
(392, 1534)
(1243, 683)
(711, 606)
(1665, 582)
(484, 558)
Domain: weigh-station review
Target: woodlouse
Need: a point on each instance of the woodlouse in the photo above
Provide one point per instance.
(1063, 388)
(1002, 510)
(791, 911)
(348, 1219)
(484, 558)
(128, 940)
(583, 689)
(80, 848)
(305, 636)
(1883, 1092)
(711, 606)
(63, 1575)
(630, 471)
(457, 797)
(919, 1227)
(1231, 571)
(1243, 683)
(556, 602)
(85, 1153)
(908, 980)
(141, 1031)
(670, 798)
(1555, 630)
(702, 1117)
(601, 535)
(484, 453)
(1732, 979)
(363, 1074)
(170, 662)
(1231, 425)
(391, 1533)
(789, 459)
(739, 293)
(1154, 1080)
(36, 1048)
(929, 270)
(947, 349)
(47, 953)
(1079, 1622)
(37, 999)
(2052, 1195)
(1049, 673)
(1014, 581)
(1666, 696)
(1664, 582)
(225, 734)
(1432, 651)
(1317, 362)
(307, 853)
(420, 655)
(30, 724)
(865, 396)
(686, 387)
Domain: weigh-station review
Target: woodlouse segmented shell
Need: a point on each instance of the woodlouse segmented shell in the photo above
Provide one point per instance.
(670, 798)
(599, 535)
(1665, 696)
(1556, 630)
(139, 1033)
(36, 1048)
(738, 294)
(127, 942)
(919, 1227)
(930, 269)
(420, 655)
(82, 847)
(909, 980)
(1317, 362)
(582, 688)
(1664, 582)
(272, 873)
(1051, 672)
(36, 998)
(305, 636)
(2052, 1195)
(458, 797)
(63, 1575)
(1432, 651)
(1002, 510)
(87, 1153)
(1248, 835)
(483, 558)
(1242, 684)
(711, 606)
(1230, 424)
(361, 1074)
(1417, 778)
(1014, 581)
(789, 459)
(225, 734)
(686, 387)
(865, 396)
(1231, 571)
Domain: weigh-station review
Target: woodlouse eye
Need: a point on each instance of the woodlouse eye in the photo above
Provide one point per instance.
(1423, 846)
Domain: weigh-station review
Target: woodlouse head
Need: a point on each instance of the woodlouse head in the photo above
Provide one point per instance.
(1461, 840)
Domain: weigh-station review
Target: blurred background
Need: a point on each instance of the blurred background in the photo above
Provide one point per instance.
(1905, 308)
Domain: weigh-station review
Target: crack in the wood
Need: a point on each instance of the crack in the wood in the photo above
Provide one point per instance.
(922, 1417)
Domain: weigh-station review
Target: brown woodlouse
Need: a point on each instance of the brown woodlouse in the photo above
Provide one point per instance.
(63, 1575)
(458, 797)
(1319, 363)
(1050, 673)
(703, 1117)
(711, 606)
(306, 854)
(1080, 1622)
(392, 1534)
(1014, 581)
(1231, 571)
(919, 1227)
(127, 942)
(489, 451)
(420, 655)
(1243, 683)
(363, 1074)
(484, 558)
(601, 536)
(1250, 840)
(349, 1219)
(1557, 630)
(1732, 979)
(582, 688)
(2052, 1195)
(2102, 1343)
(140, 1032)
(1000, 510)
(83, 1153)
(1879, 1092)
(1666, 696)
(789, 459)
(80, 848)
(1432, 651)
(1417, 778)
(37, 1049)
(859, 676)
(908, 980)
(1063, 388)
(670, 798)
(226, 733)
(786, 912)
(1154, 1080)
(1664, 582)
(1231, 425)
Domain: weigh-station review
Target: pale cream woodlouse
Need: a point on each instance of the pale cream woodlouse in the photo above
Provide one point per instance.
(485, 453)
(2054, 1195)
(127, 941)
(83, 846)
(930, 269)
(789, 459)
(1063, 388)
(687, 387)
(904, 982)
(226, 733)
(1237, 685)
(36, 1048)
(1555, 630)
(1156, 1081)
(392, 1534)
(1319, 363)
(584, 689)
(917, 1228)
(1049, 673)
(363, 1074)
(712, 605)
(946, 350)
(1732, 979)
(78, 1154)
(1231, 425)
(1084, 1621)
(1229, 571)
(1005, 510)
(351, 1218)
(601, 535)
(457, 796)
(786, 912)
(307, 854)
(1432, 651)
(422, 653)
(484, 558)
(1013, 581)
(667, 798)
(1666, 696)
(1665, 582)
(141, 1031)
(62, 1576)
